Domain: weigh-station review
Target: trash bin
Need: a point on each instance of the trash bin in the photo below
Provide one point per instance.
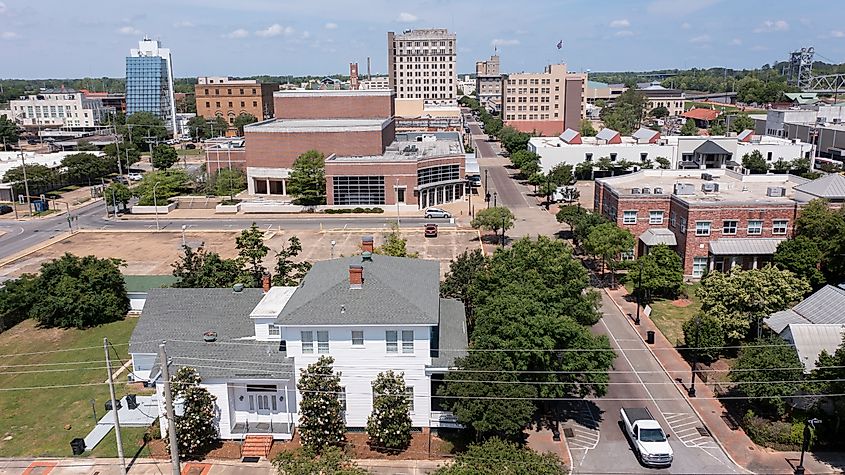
(131, 401)
(649, 337)
(77, 445)
(108, 404)
(40, 206)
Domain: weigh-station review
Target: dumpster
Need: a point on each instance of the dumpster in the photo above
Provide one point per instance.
(40, 205)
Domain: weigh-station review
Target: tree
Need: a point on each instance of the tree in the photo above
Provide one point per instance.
(584, 170)
(627, 112)
(742, 122)
(587, 129)
(828, 377)
(664, 162)
(800, 166)
(229, 182)
(496, 457)
(389, 425)
(781, 166)
(754, 162)
(494, 219)
(170, 183)
(307, 180)
(458, 280)
(126, 153)
(198, 127)
(196, 431)
(8, 131)
(525, 161)
(704, 335)
(608, 241)
(202, 269)
(803, 257)
(143, 129)
(513, 140)
(826, 227)
(243, 119)
(164, 156)
(395, 245)
(662, 273)
(251, 252)
(304, 461)
(321, 418)
(717, 128)
(117, 193)
(580, 221)
(659, 112)
(79, 292)
(289, 272)
(17, 296)
(689, 128)
(38, 176)
(561, 174)
(740, 297)
(84, 167)
(768, 371)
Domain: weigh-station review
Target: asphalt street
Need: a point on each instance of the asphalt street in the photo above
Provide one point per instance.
(598, 443)
(492, 167)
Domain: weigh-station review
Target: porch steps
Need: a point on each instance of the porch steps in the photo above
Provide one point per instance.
(257, 446)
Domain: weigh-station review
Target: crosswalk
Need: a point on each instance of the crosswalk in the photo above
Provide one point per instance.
(583, 437)
(684, 426)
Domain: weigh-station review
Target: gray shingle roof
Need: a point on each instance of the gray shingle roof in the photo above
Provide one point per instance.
(744, 247)
(824, 307)
(711, 148)
(396, 290)
(828, 187)
(452, 334)
(606, 134)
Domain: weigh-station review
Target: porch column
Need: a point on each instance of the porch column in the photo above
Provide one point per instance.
(267, 181)
(754, 263)
(284, 186)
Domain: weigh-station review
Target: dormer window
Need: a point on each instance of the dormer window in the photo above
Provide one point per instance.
(275, 331)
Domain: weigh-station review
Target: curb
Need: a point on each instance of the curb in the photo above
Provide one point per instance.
(676, 386)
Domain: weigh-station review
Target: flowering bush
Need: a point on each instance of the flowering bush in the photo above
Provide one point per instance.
(321, 418)
(389, 425)
(196, 430)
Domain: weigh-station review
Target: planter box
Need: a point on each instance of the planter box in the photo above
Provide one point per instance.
(231, 209)
(153, 209)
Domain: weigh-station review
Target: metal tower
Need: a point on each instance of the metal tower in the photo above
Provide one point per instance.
(801, 68)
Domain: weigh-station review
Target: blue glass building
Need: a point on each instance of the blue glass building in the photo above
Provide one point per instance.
(149, 82)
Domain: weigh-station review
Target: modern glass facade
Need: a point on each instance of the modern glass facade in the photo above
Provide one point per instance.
(148, 87)
(358, 190)
(439, 174)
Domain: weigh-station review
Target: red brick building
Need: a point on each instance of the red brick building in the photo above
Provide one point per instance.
(714, 220)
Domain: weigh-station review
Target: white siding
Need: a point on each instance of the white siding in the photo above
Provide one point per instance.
(262, 329)
(142, 363)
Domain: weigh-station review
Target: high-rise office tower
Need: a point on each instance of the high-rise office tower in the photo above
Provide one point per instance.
(149, 82)
(422, 64)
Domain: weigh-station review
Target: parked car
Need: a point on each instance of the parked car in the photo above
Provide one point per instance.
(430, 230)
(651, 444)
(436, 213)
(474, 180)
(135, 177)
(5, 209)
(121, 179)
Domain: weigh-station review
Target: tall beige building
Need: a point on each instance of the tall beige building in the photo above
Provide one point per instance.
(546, 103)
(488, 83)
(422, 64)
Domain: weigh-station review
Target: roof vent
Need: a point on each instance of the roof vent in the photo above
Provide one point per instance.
(646, 191)
(238, 287)
(707, 177)
(658, 190)
(635, 191)
(709, 187)
(367, 256)
(775, 191)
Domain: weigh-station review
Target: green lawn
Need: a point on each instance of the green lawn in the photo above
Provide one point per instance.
(35, 419)
(722, 109)
(670, 318)
(189, 152)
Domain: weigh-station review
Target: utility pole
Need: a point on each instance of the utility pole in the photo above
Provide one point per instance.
(168, 405)
(26, 184)
(114, 410)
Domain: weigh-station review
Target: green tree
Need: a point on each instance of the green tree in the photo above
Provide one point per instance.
(127, 152)
(38, 176)
(513, 140)
(781, 166)
(79, 292)
(584, 170)
(17, 296)
(717, 128)
(754, 162)
(704, 335)
(395, 245)
(826, 227)
(164, 156)
(229, 182)
(304, 461)
(251, 252)
(8, 131)
(742, 122)
(741, 297)
(198, 127)
(494, 219)
(243, 119)
(664, 162)
(458, 280)
(84, 167)
(662, 273)
(170, 183)
(768, 371)
(307, 180)
(580, 221)
(496, 457)
(659, 112)
(803, 257)
(196, 430)
(607, 242)
(202, 269)
(627, 112)
(288, 271)
(561, 174)
(587, 129)
(525, 159)
(801, 167)
(689, 128)
(143, 129)
(828, 377)
(389, 425)
(321, 422)
(118, 193)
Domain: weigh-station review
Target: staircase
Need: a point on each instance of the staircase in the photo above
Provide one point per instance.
(257, 446)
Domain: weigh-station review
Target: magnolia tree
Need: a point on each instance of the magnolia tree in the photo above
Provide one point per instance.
(321, 422)
(389, 425)
(196, 432)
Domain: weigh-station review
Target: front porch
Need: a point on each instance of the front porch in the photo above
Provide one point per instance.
(267, 181)
(263, 428)
(258, 407)
(745, 253)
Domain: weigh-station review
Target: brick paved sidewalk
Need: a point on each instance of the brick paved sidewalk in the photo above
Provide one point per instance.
(736, 443)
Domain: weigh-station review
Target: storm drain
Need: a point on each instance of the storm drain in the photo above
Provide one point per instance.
(703, 431)
(567, 432)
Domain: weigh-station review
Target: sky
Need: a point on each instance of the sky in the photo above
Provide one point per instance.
(87, 38)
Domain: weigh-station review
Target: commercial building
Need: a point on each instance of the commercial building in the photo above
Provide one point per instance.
(375, 82)
(56, 108)
(821, 125)
(544, 103)
(467, 85)
(646, 145)
(229, 98)
(422, 64)
(600, 91)
(714, 220)
(656, 95)
(488, 83)
(149, 82)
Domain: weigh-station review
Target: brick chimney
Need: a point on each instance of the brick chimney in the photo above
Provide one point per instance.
(356, 277)
(367, 244)
(265, 282)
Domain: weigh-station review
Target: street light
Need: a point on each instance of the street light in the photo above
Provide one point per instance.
(799, 470)
(494, 198)
(695, 350)
(639, 290)
(184, 227)
(155, 204)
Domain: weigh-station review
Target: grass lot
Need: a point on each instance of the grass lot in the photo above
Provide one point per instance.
(670, 318)
(189, 152)
(722, 109)
(34, 420)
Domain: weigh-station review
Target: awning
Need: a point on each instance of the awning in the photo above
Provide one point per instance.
(655, 236)
(744, 247)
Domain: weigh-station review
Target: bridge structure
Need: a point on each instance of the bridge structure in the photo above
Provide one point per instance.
(799, 73)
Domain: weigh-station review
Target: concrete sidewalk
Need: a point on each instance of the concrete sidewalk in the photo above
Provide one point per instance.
(736, 443)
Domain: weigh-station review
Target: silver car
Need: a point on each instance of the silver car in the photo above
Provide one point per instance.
(436, 213)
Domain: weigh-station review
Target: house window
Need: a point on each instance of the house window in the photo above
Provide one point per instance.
(629, 217)
(671, 219)
(729, 226)
(699, 266)
(683, 226)
(755, 226)
(342, 398)
(779, 226)
(357, 338)
(307, 342)
(627, 255)
(407, 341)
(409, 394)
(274, 330)
(392, 341)
(323, 342)
(655, 217)
(702, 228)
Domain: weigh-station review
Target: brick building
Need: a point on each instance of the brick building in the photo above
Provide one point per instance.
(229, 98)
(714, 220)
(546, 103)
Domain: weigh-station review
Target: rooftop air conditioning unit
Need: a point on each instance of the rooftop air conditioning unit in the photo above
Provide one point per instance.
(635, 191)
(684, 189)
(775, 191)
(707, 177)
(658, 191)
(821, 120)
(709, 187)
(837, 120)
(646, 191)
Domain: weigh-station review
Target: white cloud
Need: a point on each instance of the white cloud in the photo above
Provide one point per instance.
(623, 23)
(2, 8)
(275, 30)
(8, 35)
(239, 33)
(128, 30)
(837, 34)
(331, 26)
(306, 35)
(504, 42)
(184, 24)
(700, 39)
(406, 17)
(686, 26)
(736, 41)
(772, 25)
(624, 33)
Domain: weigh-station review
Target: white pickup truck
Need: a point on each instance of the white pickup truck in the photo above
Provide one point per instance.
(650, 442)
